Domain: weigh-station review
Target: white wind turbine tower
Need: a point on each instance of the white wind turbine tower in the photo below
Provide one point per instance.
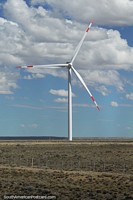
(69, 66)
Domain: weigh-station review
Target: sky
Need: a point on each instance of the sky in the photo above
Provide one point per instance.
(34, 102)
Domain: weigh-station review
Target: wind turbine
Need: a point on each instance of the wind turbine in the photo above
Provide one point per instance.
(70, 68)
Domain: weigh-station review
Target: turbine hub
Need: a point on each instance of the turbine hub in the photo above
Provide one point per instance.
(69, 64)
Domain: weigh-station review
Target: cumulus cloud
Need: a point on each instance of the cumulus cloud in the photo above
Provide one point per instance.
(112, 52)
(115, 12)
(36, 35)
(114, 104)
(101, 78)
(129, 96)
(61, 100)
(7, 81)
(103, 90)
(63, 93)
(34, 76)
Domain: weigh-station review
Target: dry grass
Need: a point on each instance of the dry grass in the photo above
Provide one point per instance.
(65, 182)
(65, 185)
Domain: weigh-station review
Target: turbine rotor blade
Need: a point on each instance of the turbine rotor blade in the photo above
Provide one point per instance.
(85, 86)
(51, 66)
(81, 42)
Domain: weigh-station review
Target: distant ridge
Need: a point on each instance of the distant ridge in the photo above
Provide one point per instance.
(32, 138)
(9, 138)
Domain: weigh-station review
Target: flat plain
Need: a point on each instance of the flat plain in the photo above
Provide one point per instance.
(78, 170)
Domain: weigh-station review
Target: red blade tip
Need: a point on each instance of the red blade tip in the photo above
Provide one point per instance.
(18, 66)
(30, 66)
(98, 108)
(92, 98)
(90, 25)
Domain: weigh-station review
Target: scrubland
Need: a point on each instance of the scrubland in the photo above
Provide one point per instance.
(67, 170)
